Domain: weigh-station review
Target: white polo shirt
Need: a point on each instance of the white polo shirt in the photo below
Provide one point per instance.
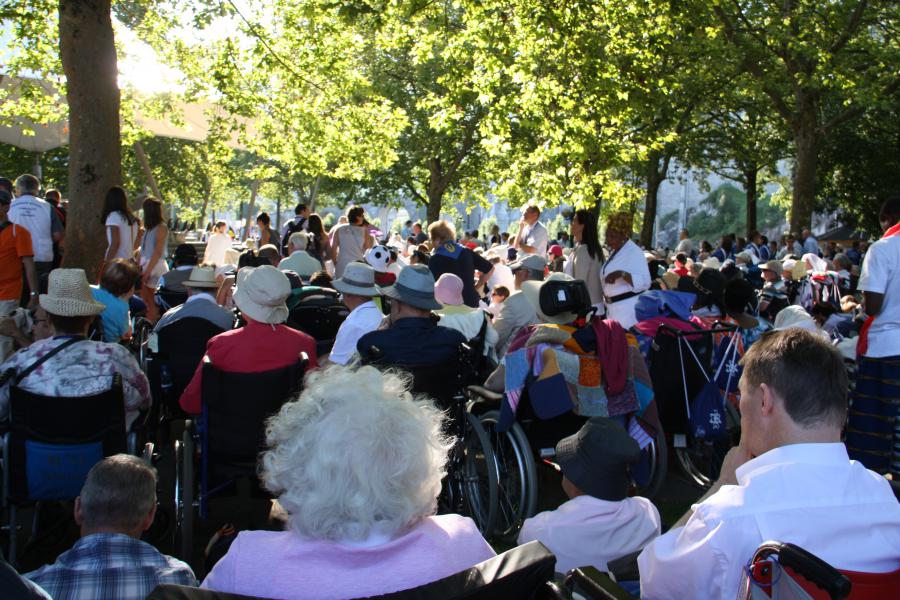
(811, 495)
(35, 215)
(881, 274)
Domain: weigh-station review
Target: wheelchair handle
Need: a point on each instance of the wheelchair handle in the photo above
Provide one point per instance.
(810, 566)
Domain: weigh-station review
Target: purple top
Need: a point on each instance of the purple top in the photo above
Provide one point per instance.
(283, 565)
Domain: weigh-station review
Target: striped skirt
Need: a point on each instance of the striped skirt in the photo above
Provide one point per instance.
(873, 428)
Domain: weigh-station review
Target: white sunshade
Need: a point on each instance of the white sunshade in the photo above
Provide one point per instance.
(49, 136)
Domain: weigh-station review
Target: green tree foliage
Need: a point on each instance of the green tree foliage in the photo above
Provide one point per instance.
(819, 64)
(860, 167)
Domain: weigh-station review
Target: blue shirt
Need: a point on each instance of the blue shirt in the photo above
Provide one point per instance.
(413, 341)
(102, 566)
(115, 317)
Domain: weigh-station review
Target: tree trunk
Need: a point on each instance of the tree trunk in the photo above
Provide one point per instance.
(657, 169)
(433, 208)
(254, 188)
(314, 194)
(751, 174)
(88, 54)
(806, 146)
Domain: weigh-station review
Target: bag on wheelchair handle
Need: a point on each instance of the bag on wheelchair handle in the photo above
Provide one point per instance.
(706, 412)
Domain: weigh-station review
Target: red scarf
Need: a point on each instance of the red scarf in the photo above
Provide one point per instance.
(862, 345)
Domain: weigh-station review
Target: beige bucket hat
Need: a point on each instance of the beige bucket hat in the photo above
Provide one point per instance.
(69, 295)
(261, 293)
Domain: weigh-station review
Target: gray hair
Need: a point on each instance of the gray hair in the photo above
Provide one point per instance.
(842, 260)
(119, 492)
(28, 184)
(298, 240)
(354, 452)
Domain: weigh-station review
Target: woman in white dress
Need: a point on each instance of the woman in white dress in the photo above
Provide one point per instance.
(153, 250)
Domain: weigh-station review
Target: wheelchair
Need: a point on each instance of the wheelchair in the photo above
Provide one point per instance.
(531, 440)
(317, 312)
(221, 446)
(471, 485)
(52, 442)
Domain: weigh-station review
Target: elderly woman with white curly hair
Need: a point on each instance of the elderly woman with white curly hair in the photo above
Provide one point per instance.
(356, 462)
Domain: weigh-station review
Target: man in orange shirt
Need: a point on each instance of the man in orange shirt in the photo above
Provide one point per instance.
(16, 254)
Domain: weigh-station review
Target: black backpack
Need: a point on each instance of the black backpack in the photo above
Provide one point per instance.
(293, 227)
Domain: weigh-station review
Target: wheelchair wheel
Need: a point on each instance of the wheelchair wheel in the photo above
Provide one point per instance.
(701, 460)
(650, 472)
(184, 496)
(140, 336)
(517, 476)
(479, 477)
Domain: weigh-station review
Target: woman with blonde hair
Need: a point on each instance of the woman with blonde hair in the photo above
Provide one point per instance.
(356, 462)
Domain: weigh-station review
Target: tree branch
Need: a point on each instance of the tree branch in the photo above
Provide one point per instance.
(852, 26)
(856, 109)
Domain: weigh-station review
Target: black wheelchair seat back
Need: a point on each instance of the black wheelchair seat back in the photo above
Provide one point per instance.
(182, 345)
(171, 298)
(319, 313)
(53, 442)
(237, 405)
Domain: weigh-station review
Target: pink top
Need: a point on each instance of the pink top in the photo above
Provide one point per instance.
(283, 565)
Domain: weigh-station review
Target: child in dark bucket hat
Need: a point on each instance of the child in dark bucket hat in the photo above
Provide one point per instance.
(599, 523)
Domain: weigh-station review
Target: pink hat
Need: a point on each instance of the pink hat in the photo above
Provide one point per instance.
(556, 250)
(448, 290)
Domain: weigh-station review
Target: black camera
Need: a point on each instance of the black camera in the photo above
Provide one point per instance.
(565, 296)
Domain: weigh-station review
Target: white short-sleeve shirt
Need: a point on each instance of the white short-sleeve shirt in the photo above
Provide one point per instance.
(127, 234)
(881, 274)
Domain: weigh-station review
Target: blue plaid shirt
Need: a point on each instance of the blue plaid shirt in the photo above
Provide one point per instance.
(103, 566)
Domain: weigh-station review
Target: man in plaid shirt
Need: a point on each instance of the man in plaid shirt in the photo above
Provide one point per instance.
(117, 504)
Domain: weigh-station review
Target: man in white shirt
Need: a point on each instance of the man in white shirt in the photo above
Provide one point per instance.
(516, 311)
(789, 480)
(685, 244)
(357, 288)
(533, 236)
(300, 261)
(874, 429)
(217, 245)
(600, 522)
(625, 273)
(38, 217)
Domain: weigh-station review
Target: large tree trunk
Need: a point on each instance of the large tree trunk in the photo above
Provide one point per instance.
(433, 208)
(657, 169)
(88, 53)
(806, 146)
(751, 173)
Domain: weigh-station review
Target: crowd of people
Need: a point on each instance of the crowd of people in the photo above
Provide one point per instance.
(355, 462)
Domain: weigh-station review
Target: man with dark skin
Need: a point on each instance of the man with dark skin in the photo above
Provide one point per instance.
(871, 434)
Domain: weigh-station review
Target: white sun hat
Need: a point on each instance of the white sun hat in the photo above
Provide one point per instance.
(261, 293)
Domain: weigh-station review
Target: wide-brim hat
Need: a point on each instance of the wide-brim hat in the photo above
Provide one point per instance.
(260, 293)
(597, 457)
(532, 262)
(414, 286)
(532, 291)
(709, 284)
(69, 295)
(448, 290)
(712, 263)
(202, 278)
(358, 279)
(772, 265)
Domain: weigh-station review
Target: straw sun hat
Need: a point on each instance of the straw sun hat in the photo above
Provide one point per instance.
(69, 295)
